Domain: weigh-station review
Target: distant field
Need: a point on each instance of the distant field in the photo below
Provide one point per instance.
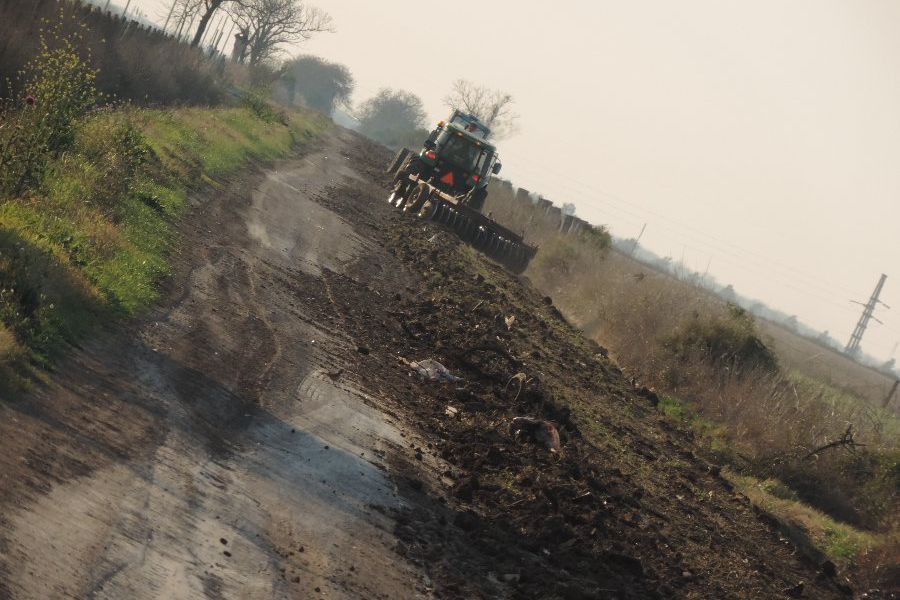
(795, 352)
(825, 364)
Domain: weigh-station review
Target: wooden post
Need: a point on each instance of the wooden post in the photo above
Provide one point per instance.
(890, 395)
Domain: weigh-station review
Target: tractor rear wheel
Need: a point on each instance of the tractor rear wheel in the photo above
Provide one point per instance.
(399, 192)
(417, 199)
(411, 165)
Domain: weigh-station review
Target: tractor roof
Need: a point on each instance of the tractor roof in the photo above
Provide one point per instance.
(475, 139)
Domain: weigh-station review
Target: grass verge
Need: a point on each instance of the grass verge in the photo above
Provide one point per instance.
(91, 242)
(865, 555)
(818, 534)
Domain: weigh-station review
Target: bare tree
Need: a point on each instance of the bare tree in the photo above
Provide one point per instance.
(492, 107)
(206, 9)
(269, 24)
(185, 12)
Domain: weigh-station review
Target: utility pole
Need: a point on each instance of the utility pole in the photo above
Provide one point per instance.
(868, 314)
(636, 240)
(890, 395)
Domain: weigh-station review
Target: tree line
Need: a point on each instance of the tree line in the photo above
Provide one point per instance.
(394, 117)
(263, 27)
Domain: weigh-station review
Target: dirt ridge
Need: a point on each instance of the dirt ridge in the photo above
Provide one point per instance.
(258, 436)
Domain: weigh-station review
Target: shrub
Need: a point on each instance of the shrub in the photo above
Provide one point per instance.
(136, 63)
(257, 100)
(58, 91)
(856, 487)
(106, 155)
(596, 237)
(558, 257)
(730, 341)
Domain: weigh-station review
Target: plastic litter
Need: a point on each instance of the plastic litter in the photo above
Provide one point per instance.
(431, 370)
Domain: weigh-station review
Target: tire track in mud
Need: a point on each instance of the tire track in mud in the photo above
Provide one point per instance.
(262, 468)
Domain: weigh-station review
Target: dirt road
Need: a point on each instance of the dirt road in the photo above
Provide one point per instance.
(215, 449)
(257, 437)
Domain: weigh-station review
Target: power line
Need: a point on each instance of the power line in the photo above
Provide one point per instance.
(769, 262)
(612, 198)
(766, 270)
(787, 275)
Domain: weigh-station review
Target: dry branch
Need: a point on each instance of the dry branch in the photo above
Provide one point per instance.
(846, 440)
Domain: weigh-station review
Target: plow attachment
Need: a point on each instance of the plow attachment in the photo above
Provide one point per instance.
(482, 233)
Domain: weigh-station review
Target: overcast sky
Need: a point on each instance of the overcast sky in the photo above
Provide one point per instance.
(763, 136)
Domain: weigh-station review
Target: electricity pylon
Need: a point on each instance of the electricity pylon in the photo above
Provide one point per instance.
(868, 314)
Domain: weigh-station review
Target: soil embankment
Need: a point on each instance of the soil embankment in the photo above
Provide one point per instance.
(258, 436)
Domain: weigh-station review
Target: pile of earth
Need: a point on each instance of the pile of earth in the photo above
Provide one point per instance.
(623, 509)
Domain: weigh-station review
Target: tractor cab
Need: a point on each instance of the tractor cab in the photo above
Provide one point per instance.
(459, 160)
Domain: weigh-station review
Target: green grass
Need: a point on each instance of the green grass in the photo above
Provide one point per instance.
(713, 435)
(92, 241)
(808, 528)
(217, 142)
(817, 534)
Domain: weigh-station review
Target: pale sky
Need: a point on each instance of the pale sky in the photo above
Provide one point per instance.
(762, 135)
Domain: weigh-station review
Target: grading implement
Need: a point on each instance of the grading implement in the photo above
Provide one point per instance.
(447, 182)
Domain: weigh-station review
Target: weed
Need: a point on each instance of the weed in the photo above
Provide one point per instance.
(58, 89)
(257, 100)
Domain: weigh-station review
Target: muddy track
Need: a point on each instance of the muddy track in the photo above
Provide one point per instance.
(258, 436)
(212, 450)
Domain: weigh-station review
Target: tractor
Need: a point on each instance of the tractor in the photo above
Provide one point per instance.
(447, 182)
